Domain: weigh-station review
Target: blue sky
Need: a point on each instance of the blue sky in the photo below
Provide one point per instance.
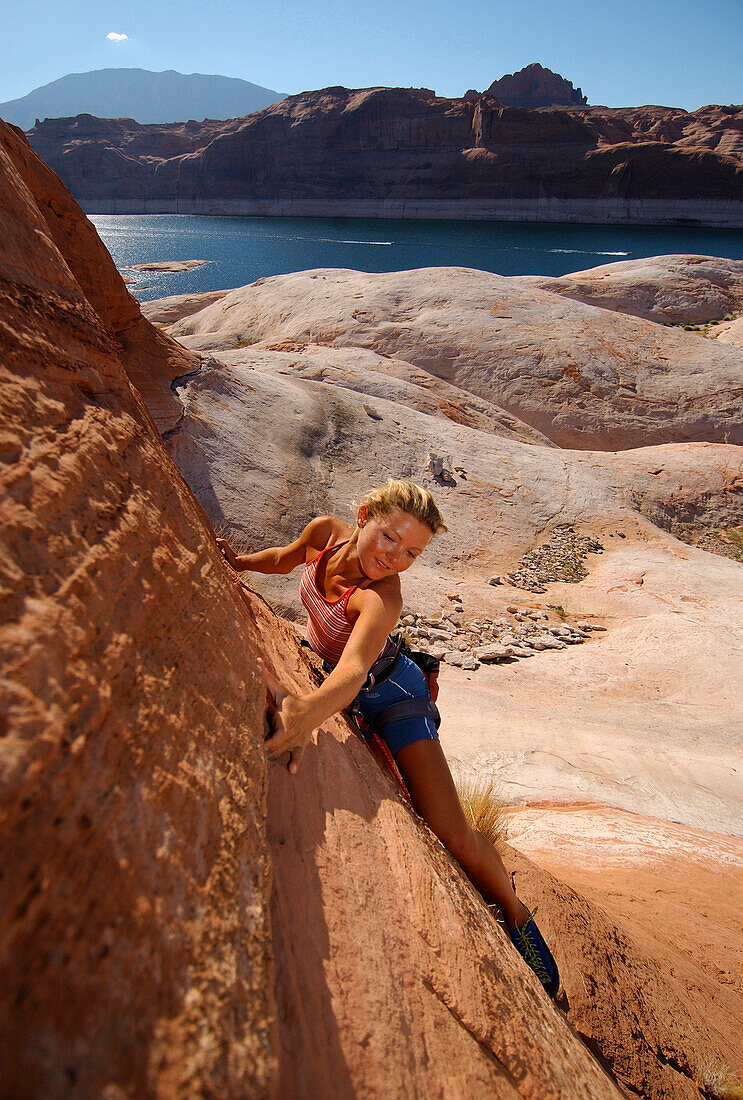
(630, 52)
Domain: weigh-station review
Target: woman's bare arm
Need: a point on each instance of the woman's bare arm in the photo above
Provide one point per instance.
(376, 619)
(298, 715)
(283, 559)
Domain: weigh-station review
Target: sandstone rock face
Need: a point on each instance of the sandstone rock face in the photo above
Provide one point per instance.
(136, 872)
(409, 153)
(164, 311)
(534, 86)
(378, 933)
(730, 332)
(581, 376)
(648, 874)
(151, 358)
(619, 997)
(689, 1006)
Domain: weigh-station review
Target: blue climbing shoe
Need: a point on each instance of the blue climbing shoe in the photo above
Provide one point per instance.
(530, 945)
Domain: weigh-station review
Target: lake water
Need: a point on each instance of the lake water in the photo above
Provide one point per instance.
(242, 249)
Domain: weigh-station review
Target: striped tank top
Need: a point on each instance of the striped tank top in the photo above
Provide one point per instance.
(328, 625)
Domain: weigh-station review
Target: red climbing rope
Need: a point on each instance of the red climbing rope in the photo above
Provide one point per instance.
(381, 750)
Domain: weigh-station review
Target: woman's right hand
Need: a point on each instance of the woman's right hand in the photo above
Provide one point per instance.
(228, 553)
(291, 726)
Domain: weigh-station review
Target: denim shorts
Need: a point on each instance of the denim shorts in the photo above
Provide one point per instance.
(406, 682)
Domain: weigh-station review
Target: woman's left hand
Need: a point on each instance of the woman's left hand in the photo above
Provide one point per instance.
(228, 553)
(292, 728)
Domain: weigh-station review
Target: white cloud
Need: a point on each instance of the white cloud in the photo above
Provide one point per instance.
(112, 36)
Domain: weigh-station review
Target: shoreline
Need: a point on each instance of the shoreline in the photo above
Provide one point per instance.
(678, 213)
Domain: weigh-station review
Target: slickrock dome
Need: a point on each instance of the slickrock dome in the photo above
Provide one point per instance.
(575, 373)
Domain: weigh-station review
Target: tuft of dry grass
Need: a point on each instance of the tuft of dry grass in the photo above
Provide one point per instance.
(484, 809)
(719, 1082)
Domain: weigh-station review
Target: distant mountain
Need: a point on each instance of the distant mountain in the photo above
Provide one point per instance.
(142, 95)
(535, 86)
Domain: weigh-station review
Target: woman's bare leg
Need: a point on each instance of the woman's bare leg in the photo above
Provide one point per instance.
(426, 773)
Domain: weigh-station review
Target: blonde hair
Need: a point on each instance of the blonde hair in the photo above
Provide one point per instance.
(409, 498)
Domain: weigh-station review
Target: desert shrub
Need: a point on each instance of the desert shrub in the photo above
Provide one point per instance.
(484, 809)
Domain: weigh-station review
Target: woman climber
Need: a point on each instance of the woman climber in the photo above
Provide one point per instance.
(350, 587)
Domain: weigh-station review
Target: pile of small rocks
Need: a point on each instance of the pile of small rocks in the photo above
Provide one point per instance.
(562, 558)
(467, 643)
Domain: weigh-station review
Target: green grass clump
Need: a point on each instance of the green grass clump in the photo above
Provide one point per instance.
(484, 809)
(705, 328)
(559, 610)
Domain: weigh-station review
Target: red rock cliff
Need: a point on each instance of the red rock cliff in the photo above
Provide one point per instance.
(134, 942)
(411, 150)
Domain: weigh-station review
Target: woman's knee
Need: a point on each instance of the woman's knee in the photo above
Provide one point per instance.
(461, 841)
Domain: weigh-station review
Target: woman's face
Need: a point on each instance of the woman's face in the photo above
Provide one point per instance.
(390, 544)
